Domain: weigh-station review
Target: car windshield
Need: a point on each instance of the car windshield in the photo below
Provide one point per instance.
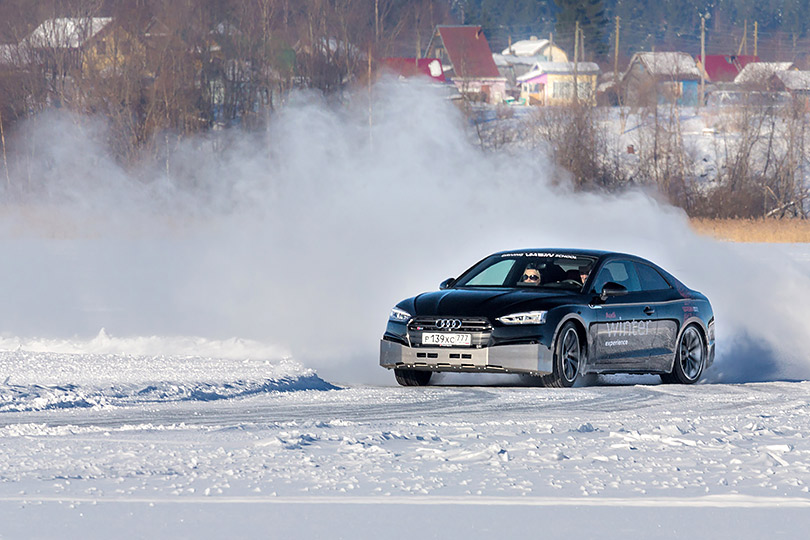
(519, 270)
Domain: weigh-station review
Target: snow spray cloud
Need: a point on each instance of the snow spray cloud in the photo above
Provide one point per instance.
(306, 237)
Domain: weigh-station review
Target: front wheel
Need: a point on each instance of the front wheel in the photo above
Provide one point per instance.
(412, 377)
(690, 358)
(568, 355)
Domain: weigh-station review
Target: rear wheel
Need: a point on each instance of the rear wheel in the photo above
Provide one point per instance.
(567, 358)
(412, 377)
(690, 358)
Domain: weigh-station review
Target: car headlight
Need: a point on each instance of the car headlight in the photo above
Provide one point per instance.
(527, 317)
(399, 315)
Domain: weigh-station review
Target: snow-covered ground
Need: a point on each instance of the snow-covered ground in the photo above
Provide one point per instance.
(113, 422)
(626, 456)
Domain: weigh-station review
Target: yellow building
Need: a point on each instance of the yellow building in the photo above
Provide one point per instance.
(552, 83)
(89, 44)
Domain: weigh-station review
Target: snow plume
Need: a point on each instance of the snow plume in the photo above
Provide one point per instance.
(305, 236)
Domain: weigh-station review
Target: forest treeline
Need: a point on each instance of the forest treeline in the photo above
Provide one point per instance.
(644, 25)
(162, 71)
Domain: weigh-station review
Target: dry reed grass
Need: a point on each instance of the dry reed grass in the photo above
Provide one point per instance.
(755, 230)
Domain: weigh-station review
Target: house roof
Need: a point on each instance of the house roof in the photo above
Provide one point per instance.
(505, 60)
(794, 81)
(526, 47)
(156, 29)
(411, 67)
(67, 32)
(671, 65)
(559, 68)
(469, 51)
(725, 67)
(760, 72)
(7, 54)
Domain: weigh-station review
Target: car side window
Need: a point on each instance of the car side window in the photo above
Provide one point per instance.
(650, 279)
(621, 272)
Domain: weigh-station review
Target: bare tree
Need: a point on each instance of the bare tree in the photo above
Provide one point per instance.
(576, 138)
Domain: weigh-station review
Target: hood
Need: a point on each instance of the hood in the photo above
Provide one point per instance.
(485, 302)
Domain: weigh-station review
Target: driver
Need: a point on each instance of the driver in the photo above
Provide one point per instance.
(531, 275)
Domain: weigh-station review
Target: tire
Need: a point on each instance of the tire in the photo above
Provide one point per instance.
(568, 356)
(690, 358)
(412, 377)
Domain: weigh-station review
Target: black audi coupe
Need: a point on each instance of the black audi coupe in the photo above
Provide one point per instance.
(554, 314)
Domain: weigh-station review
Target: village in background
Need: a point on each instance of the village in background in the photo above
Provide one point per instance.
(718, 128)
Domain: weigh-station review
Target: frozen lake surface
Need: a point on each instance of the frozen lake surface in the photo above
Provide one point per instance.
(627, 455)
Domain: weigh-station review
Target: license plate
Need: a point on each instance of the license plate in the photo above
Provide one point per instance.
(447, 339)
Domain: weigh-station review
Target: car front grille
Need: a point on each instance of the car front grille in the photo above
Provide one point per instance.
(465, 324)
(479, 329)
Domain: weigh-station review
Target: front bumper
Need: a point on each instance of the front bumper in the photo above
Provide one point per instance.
(535, 359)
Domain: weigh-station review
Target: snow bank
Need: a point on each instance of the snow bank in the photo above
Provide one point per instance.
(108, 371)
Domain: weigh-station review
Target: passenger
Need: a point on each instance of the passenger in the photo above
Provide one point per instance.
(531, 275)
(573, 275)
(584, 272)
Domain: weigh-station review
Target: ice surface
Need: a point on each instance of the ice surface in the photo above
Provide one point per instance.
(446, 452)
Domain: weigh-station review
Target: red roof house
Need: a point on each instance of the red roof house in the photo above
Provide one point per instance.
(467, 60)
(725, 67)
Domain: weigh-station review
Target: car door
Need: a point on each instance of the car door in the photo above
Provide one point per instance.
(625, 331)
(669, 311)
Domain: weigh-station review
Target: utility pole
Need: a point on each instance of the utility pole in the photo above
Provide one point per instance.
(551, 46)
(376, 21)
(370, 106)
(576, 52)
(3, 144)
(616, 53)
(581, 45)
(756, 31)
(744, 40)
(702, 59)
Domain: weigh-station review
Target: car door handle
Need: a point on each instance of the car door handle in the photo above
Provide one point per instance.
(649, 310)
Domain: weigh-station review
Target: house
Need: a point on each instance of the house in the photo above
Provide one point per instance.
(467, 61)
(724, 67)
(520, 58)
(67, 32)
(413, 67)
(552, 83)
(60, 43)
(661, 77)
(94, 44)
(794, 82)
(758, 75)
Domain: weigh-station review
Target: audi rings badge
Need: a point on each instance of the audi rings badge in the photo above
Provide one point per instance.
(448, 324)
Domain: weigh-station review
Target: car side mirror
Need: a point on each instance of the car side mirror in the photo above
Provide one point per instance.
(611, 288)
(447, 283)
